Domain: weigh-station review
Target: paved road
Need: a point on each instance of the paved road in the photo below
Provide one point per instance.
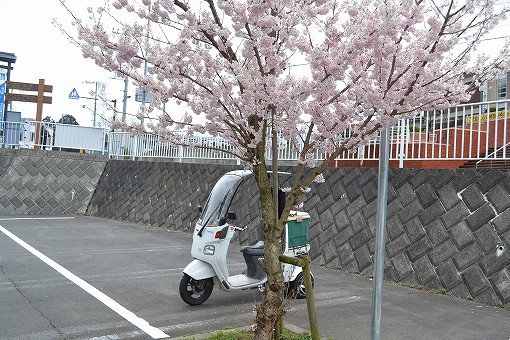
(89, 278)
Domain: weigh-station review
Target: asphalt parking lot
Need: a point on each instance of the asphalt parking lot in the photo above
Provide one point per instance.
(80, 277)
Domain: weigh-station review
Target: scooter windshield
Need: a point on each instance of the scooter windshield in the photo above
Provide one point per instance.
(219, 200)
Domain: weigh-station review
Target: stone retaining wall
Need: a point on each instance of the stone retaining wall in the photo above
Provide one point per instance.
(47, 182)
(447, 230)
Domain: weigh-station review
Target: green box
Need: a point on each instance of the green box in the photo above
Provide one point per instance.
(297, 228)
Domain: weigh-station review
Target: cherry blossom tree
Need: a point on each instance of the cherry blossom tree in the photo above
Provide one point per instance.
(311, 69)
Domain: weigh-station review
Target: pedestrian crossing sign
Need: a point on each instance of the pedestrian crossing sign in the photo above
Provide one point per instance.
(74, 94)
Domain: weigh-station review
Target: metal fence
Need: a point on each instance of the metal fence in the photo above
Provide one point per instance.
(126, 145)
(465, 132)
(53, 136)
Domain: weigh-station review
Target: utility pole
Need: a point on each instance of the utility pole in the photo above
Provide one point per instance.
(126, 81)
(95, 107)
(144, 93)
(95, 100)
(124, 101)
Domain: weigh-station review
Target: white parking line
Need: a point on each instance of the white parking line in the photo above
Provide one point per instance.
(143, 325)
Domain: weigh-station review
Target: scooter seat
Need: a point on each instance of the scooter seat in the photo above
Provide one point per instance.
(257, 249)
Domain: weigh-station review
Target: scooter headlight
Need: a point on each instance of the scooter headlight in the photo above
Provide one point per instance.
(209, 250)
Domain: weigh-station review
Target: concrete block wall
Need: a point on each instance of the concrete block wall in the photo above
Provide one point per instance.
(46, 182)
(447, 230)
(168, 194)
(158, 194)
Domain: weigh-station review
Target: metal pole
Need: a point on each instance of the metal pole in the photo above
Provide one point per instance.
(380, 233)
(144, 92)
(95, 107)
(7, 90)
(124, 102)
(145, 70)
(402, 132)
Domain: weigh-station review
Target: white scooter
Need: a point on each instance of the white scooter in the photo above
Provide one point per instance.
(211, 239)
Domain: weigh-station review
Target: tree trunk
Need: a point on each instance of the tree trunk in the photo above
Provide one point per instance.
(272, 306)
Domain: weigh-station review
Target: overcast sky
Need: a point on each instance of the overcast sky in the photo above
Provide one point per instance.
(44, 53)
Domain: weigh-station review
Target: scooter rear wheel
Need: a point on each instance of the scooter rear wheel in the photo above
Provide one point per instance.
(195, 292)
(297, 287)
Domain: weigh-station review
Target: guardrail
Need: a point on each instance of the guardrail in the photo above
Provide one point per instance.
(465, 132)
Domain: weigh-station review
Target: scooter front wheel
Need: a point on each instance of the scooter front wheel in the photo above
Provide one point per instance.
(195, 292)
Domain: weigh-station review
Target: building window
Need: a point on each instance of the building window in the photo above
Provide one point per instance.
(502, 80)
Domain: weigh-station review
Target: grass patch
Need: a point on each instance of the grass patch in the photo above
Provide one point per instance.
(443, 291)
(412, 285)
(249, 335)
(241, 335)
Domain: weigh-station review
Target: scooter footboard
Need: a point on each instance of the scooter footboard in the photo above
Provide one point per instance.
(253, 269)
(199, 270)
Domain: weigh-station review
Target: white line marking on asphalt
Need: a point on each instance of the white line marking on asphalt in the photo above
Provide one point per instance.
(153, 332)
(35, 218)
(339, 301)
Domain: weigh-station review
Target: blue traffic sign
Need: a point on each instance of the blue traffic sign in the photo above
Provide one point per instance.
(74, 94)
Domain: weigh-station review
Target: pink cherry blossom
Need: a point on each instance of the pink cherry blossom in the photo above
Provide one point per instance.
(314, 69)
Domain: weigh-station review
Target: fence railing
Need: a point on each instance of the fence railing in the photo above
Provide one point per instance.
(126, 145)
(464, 132)
(499, 153)
(53, 136)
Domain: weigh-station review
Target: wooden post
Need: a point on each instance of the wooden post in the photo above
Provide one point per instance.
(38, 114)
(310, 301)
(292, 260)
(40, 99)
(302, 261)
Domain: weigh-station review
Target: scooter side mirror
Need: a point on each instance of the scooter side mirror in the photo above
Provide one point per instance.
(231, 216)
